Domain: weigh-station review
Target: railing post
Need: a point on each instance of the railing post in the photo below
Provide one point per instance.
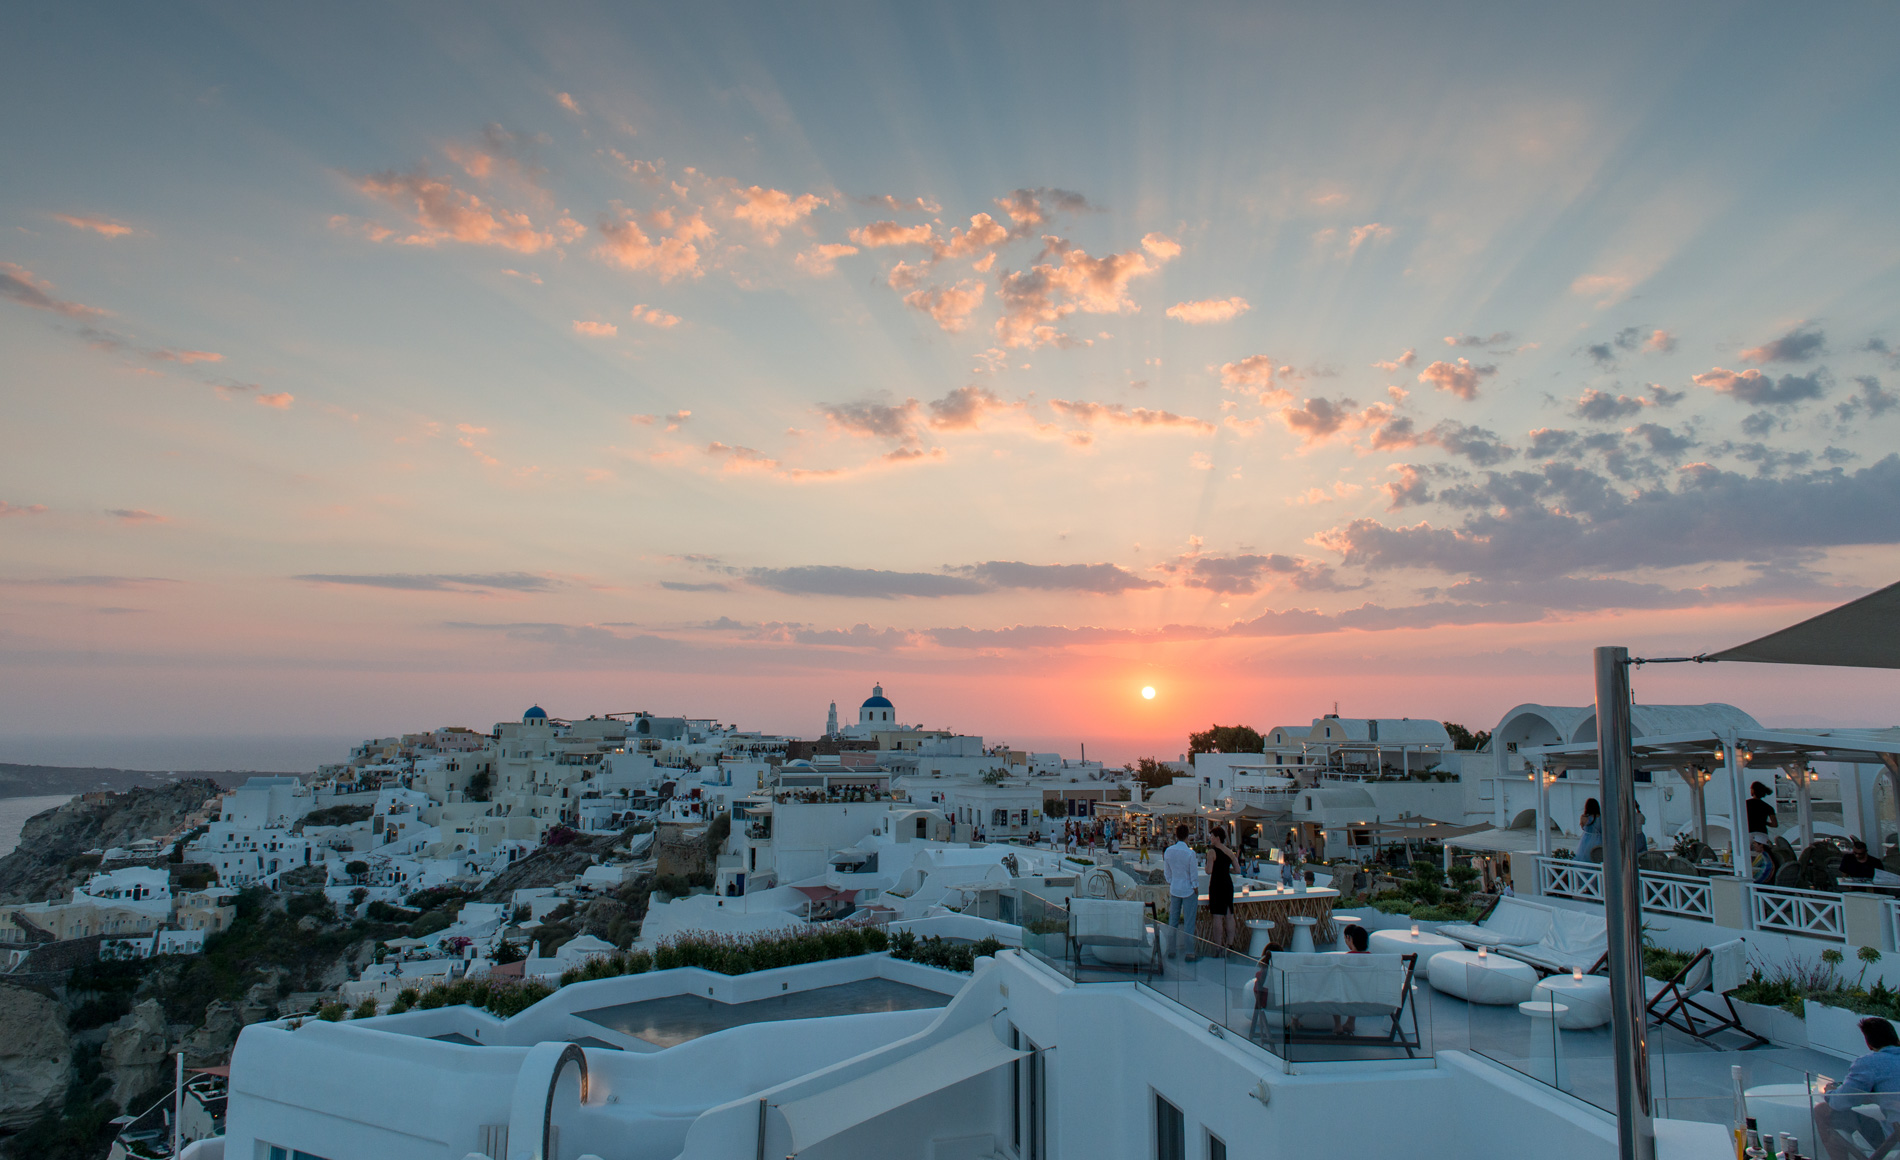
(1622, 908)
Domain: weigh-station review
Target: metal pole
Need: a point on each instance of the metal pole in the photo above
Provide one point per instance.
(1738, 807)
(178, 1101)
(1622, 910)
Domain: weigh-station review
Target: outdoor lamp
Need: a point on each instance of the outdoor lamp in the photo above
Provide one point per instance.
(1481, 952)
(1576, 974)
(1415, 930)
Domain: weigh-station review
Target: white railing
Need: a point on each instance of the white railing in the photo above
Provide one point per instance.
(1803, 912)
(1678, 895)
(1566, 879)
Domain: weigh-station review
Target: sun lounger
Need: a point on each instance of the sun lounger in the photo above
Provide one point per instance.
(1512, 922)
(1550, 938)
(1696, 1001)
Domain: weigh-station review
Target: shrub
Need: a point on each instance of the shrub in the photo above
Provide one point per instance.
(934, 952)
(312, 903)
(330, 1012)
(364, 1010)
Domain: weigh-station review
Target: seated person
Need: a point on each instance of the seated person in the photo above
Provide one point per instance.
(1836, 1117)
(1358, 942)
(1763, 860)
(1858, 864)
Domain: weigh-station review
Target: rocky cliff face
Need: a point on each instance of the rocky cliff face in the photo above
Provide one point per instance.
(137, 1054)
(42, 867)
(36, 1056)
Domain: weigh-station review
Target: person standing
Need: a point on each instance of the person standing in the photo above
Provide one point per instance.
(1220, 888)
(1178, 864)
(1761, 811)
(1590, 848)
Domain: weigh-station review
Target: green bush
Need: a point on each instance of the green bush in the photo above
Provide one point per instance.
(331, 1012)
(934, 952)
(310, 903)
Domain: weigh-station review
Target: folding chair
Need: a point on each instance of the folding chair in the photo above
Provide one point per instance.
(1717, 969)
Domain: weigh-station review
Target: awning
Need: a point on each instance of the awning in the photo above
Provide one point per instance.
(1497, 841)
(825, 1114)
(825, 893)
(1863, 634)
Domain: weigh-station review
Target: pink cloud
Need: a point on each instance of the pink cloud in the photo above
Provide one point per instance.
(135, 516)
(1370, 232)
(1317, 420)
(772, 210)
(654, 316)
(949, 306)
(187, 356)
(967, 408)
(674, 255)
(984, 233)
(1659, 342)
(1405, 360)
(879, 234)
(18, 284)
(440, 212)
(567, 101)
(596, 329)
(1115, 414)
(1209, 310)
(1037, 298)
(1460, 378)
(103, 226)
(823, 258)
(1161, 246)
(14, 509)
(281, 400)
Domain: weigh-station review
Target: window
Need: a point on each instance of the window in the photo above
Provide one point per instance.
(1170, 1131)
(1216, 1147)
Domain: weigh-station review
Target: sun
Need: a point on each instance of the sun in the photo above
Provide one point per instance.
(1147, 692)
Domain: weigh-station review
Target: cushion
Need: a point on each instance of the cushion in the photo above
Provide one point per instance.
(1108, 922)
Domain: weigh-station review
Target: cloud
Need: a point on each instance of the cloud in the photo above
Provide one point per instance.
(965, 408)
(1872, 400)
(1161, 246)
(18, 284)
(653, 316)
(1103, 579)
(861, 583)
(1370, 232)
(1254, 373)
(889, 204)
(1246, 574)
(1115, 414)
(1405, 360)
(1035, 299)
(1611, 286)
(595, 329)
(1756, 389)
(1565, 518)
(567, 101)
(14, 509)
(439, 212)
(682, 586)
(281, 400)
(1209, 310)
(674, 255)
(1030, 209)
(1659, 342)
(877, 235)
(1798, 345)
(771, 210)
(874, 420)
(105, 227)
(949, 306)
(1481, 447)
(1460, 378)
(467, 582)
(1601, 407)
(822, 259)
(1500, 338)
(1317, 420)
(135, 516)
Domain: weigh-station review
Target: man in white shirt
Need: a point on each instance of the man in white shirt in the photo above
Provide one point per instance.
(1183, 874)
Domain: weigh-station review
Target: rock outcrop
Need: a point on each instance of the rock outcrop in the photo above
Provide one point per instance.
(136, 1054)
(48, 863)
(36, 1056)
(210, 1045)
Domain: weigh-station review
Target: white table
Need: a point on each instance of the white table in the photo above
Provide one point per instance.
(1547, 1053)
(1403, 942)
(1587, 998)
(1260, 933)
(1301, 940)
(1492, 980)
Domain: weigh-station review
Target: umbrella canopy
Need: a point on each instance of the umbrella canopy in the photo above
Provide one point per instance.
(1863, 634)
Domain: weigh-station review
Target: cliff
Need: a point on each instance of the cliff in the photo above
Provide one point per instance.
(49, 862)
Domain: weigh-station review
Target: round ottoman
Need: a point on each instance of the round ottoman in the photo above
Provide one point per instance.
(1492, 980)
(1401, 942)
(1588, 999)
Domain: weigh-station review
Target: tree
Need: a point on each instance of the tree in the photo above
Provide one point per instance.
(1463, 738)
(356, 869)
(478, 786)
(1227, 739)
(1150, 772)
(1055, 808)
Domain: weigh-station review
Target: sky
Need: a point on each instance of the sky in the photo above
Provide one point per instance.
(372, 368)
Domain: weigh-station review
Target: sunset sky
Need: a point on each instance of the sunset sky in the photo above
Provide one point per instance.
(377, 368)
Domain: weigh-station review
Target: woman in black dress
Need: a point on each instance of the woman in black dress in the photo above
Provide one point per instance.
(1220, 889)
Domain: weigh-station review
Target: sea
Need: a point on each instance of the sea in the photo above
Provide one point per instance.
(15, 811)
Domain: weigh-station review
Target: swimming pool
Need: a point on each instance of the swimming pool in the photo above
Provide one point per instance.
(676, 1019)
